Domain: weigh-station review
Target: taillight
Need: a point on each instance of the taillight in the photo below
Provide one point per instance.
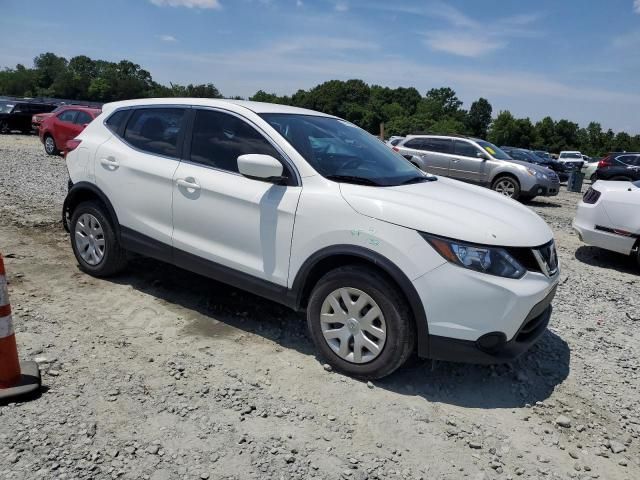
(71, 145)
(591, 196)
(605, 162)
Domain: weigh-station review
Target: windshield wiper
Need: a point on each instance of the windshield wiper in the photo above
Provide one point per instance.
(353, 179)
(419, 180)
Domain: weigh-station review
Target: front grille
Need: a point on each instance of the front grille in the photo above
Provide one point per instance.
(541, 259)
(591, 196)
(547, 258)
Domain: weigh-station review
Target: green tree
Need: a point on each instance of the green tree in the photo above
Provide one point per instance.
(479, 118)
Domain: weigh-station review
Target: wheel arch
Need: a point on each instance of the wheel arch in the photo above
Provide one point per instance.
(505, 173)
(336, 256)
(85, 191)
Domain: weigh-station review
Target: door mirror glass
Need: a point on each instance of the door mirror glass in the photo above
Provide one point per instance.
(260, 167)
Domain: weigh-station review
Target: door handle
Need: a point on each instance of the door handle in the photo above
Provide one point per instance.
(109, 162)
(455, 160)
(181, 182)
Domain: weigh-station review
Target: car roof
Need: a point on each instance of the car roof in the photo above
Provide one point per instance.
(256, 107)
(78, 107)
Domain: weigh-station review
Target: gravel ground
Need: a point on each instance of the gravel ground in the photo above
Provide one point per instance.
(162, 374)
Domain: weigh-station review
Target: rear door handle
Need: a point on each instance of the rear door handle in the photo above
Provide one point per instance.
(181, 182)
(109, 162)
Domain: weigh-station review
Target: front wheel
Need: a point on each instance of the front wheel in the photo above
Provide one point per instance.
(360, 322)
(50, 145)
(94, 241)
(507, 186)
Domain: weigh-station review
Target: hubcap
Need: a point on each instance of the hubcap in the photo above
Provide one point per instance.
(353, 325)
(89, 239)
(506, 188)
(48, 144)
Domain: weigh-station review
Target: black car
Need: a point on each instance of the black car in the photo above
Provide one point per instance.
(525, 155)
(16, 115)
(628, 171)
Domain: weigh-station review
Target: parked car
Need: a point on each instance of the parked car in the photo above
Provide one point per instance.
(393, 141)
(17, 115)
(573, 158)
(589, 169)
(38, 118)
(477, 161)
(530, 156)
(609, 217)
(68, 121)
(625, 168)
(543, 154)
(311, 211)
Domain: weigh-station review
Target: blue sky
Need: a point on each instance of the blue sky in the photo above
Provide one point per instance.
(573, 59)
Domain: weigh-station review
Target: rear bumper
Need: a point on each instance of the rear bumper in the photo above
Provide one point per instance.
(493, 348)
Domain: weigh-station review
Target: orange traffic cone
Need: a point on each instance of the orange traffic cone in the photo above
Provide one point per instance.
(16, 379)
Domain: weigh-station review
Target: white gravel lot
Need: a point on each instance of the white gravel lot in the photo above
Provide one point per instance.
(162, 374)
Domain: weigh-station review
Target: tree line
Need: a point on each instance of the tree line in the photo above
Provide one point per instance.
(403, 110)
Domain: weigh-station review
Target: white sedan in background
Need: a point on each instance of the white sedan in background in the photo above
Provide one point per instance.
(609, 217)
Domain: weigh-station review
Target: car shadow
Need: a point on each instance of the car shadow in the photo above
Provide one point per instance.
(599, 257)
(538, 203)
(531, 378)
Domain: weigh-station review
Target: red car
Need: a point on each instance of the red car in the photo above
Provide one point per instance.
(38, 118)
(56, 130)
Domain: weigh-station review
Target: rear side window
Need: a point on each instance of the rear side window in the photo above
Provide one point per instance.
(465, 149)
(83, 118)
(155, 130)
(68, 116)
(440, 145)
(626, 159)
(116, 120)
(414, 143)
(219, 139)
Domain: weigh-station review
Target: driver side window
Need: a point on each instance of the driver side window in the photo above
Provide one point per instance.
(465, 149)
(219, 139)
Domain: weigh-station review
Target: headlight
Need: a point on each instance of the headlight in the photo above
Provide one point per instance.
(481, 258)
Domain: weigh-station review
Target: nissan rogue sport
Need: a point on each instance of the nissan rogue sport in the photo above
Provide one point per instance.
(310, 211)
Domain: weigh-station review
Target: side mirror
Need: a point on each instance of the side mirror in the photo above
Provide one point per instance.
(482, 155)
(261, 167)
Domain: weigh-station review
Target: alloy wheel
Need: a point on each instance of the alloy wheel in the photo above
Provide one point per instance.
(505, 187)
(353, 325)
(89, 238)
(49, 145)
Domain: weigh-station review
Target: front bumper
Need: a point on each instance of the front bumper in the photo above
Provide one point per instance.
(550, 189)
(493, 348)
(468, 311)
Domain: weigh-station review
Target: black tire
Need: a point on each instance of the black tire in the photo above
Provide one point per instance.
(4, 128)
(114, 258)
(50, 147)
(400, 329)
(507, 178)
(593, 178)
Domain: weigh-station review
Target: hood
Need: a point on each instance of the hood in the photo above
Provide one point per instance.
(451, 209)
(532, 166)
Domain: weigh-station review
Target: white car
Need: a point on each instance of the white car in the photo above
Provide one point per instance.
(310, 211)
(572, 157)
(609, 217)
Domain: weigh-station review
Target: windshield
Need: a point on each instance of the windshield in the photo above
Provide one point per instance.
(494, 151)
(340, 151)
(571, 155)
(6, 107)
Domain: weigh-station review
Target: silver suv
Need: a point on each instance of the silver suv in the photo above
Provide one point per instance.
(477, 161)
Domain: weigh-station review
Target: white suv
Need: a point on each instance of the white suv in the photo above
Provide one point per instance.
(310, 211)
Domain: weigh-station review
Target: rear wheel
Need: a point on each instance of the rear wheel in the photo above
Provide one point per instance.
(94, 241)
(360, 322)
(507, 186)
(50, 145)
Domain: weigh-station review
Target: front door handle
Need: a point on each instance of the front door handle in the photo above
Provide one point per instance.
(189, 183)
(110, 162)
